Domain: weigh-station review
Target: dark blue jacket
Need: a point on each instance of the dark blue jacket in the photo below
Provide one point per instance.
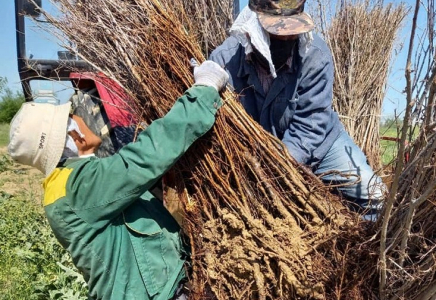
(298, 107)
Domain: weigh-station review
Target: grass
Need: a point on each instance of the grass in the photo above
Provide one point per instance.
(32, 262)
(388, 149)
(4, 134)
(33, 265)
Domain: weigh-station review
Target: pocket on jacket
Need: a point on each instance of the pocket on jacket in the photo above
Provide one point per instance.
(283, 111)
(157, 256)
(146, 237)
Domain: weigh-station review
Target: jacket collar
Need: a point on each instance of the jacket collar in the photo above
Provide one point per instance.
(71, 160)
(247, 69)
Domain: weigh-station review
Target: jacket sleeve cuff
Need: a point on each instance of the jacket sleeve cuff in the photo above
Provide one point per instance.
(208, 95)
(298, 155)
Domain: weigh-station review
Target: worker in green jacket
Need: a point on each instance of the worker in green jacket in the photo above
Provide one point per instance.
(119, 235)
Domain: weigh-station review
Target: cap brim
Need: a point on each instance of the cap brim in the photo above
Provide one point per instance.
(38, 133)
(56, 142)
(286, 25)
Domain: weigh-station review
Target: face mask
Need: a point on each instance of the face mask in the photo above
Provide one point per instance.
(70, 148)
(281, 51)
(258, 57)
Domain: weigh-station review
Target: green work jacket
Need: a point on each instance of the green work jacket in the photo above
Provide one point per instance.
(119, 235)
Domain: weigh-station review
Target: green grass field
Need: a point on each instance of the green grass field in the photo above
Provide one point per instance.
(388, 149)
(33, 265)
(4, 134)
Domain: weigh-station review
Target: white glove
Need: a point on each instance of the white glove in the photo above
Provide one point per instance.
(209, 73)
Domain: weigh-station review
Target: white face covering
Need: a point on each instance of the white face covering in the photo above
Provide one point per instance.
(248, 23)
(70, 148)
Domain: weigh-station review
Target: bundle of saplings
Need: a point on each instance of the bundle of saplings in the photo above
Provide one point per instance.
(260, 225)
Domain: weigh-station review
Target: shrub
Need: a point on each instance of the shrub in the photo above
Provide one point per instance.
(9, 105)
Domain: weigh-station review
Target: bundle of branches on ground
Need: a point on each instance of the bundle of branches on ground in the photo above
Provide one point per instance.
(411, 257)
(361, 36)
(408, 231)
(260, 225)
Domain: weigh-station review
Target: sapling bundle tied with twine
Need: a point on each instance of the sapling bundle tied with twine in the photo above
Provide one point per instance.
(260, 226)
(408, 232)
(411, 245)
(361, 37)
(361, 34)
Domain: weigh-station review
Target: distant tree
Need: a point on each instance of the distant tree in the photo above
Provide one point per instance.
(392, 122)
(10, 101)
(3, 82)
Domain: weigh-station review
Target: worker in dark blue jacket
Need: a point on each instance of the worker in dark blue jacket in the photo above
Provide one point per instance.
(283, 73)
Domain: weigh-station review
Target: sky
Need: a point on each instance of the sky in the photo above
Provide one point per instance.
(38, 44)
(8, 53)
(42, 47)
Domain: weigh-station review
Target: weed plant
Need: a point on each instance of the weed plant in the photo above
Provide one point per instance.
(5, 163)
(4, 134)
(33, 265)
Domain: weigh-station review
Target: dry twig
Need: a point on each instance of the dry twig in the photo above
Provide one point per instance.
(260, 225)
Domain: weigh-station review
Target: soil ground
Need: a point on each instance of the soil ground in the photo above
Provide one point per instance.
(16, 178)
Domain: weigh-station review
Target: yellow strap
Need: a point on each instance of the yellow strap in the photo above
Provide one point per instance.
(55, 185)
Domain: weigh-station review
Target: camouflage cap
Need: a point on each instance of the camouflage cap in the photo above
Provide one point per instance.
(282, 17)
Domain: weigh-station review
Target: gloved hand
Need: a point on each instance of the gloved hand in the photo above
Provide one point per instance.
(209, 73)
